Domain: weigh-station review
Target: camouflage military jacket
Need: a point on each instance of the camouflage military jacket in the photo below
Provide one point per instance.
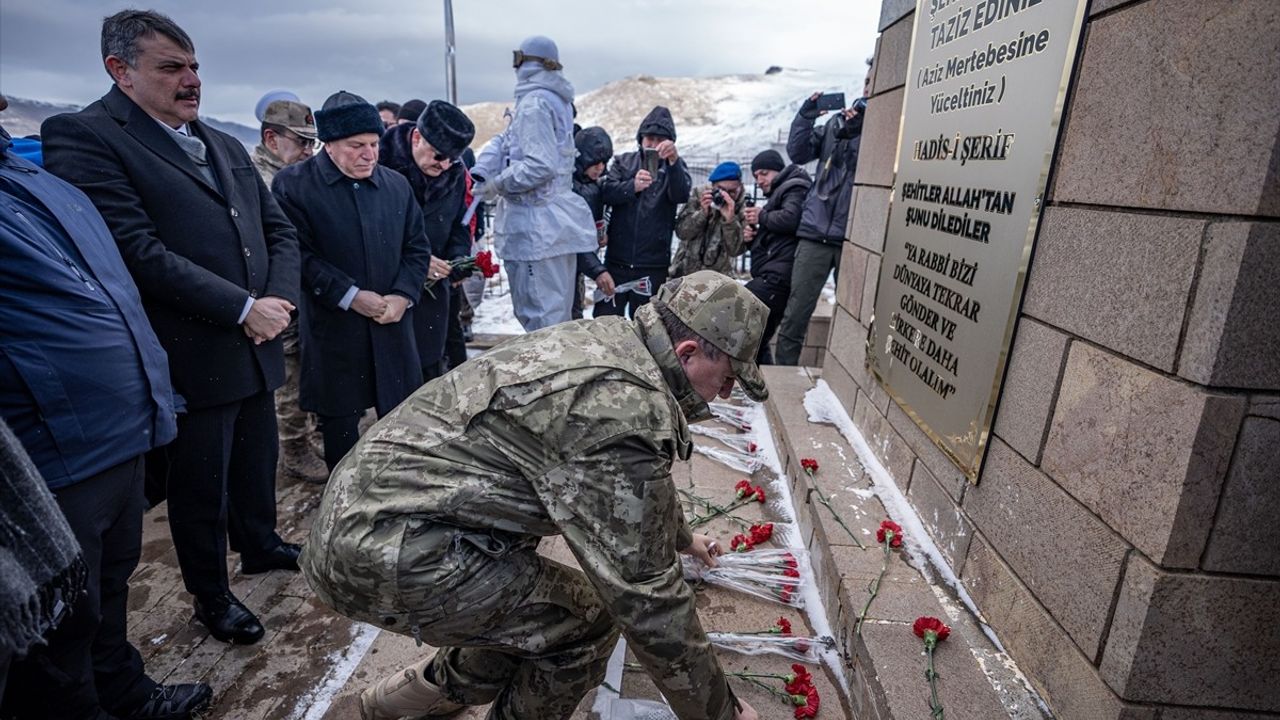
(569, 431)
(266, 163)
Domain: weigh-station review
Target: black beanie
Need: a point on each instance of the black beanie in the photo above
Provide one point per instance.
(345, 114)
(768, 160)
(447, 128)
(411, 110)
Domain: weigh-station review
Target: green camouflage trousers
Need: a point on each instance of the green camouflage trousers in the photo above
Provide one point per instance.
(521, 631)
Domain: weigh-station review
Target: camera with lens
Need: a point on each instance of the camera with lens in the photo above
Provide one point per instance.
(717, 197)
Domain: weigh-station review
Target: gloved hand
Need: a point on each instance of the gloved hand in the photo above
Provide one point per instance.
(486, 191)
(809, 108)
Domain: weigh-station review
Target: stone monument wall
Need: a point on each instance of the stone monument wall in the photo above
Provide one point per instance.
(1123, 538)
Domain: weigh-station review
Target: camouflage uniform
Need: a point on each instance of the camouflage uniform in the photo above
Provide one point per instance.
(429, 527)
(707, 242)
(297, 427)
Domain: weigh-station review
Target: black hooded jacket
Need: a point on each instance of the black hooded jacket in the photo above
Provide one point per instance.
(826, 211)
(773, 252)
(594, 146)
(641, 224)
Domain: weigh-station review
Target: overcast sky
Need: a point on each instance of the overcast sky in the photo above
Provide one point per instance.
(49, 49)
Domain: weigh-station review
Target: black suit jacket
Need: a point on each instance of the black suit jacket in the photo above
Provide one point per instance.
(196, 251)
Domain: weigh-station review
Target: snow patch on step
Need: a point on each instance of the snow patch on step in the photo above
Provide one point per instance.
(341, 664)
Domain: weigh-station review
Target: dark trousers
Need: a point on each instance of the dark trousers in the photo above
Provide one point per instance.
(814, 261)
(774, 296)
(455, 344)
(340, 434)
(221, 479)
(89, 663)
(626, 303)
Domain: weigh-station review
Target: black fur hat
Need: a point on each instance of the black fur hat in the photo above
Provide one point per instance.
(447, 128)
(345, 114)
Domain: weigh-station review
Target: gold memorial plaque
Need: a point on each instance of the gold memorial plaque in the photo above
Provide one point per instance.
(985, 87)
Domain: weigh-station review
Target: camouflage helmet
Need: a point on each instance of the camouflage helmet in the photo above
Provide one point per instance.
(725, 314)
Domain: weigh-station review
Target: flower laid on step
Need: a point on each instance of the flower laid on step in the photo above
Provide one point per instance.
(932, 631)
(701, 504)
(890, 530)
(769, 574)
(732, 415)
(744, 494)
(741, 443)
(773, 641)
(889, 535)
(798, 690)
(742, 462)
(810, 467)
(782, 627)
(757, 534)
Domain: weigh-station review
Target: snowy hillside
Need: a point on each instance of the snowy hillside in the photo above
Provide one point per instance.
(721, 117)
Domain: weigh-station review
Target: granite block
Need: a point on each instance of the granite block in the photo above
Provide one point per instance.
(1167, 625)
(886, 444)
(892, 53)
(870, 217)
(942, 518)
(869, 287)
(1232, 334)
(1030, 386)
(849, 348)
(1250, 505)
(891, 11)
(1065, 556)
(853, 273)
(941, 468)
(1147, 453)
(1063, 676)
(1160, 144)
(841, 383)
(879, 146)
(1120, 279)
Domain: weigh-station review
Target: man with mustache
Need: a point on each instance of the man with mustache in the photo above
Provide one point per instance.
(216, 262)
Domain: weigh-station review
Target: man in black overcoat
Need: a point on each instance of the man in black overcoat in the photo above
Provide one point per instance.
(365, 258)
(216, 262)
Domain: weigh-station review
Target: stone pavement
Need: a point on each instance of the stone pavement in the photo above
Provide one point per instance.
(312, 662)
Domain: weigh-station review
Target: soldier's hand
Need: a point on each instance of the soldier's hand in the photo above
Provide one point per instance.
(705, 200)
(396, 305)
(746, 713)
(729, 206)
(369, 304)
(643, 181)
(705, 549)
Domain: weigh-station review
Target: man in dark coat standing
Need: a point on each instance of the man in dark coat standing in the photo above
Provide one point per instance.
(216, 262)
(644, 189)
(428, 153)
(824, 221)
(771, 234)
(85, 385)
(365, 258)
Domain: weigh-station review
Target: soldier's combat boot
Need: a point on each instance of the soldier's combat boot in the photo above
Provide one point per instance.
(406, 694)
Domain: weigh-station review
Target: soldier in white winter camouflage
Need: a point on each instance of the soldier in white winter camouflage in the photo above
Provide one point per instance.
(430, 526)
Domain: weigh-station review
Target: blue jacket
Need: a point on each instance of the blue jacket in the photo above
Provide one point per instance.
(84, 383)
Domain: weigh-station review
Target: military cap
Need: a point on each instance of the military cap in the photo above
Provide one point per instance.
(725, 314)
(292, 115)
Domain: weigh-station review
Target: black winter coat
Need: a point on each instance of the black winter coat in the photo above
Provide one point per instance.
(196, 251)
(362, 233)
(773, 252)
(641, 224)
(443, 203)
(826, 210)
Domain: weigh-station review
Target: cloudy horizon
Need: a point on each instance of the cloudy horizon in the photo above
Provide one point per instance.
(49, 48)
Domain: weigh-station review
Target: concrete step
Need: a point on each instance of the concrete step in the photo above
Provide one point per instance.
(883, 661)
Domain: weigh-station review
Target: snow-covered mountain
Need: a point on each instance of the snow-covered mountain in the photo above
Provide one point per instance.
(725, 117)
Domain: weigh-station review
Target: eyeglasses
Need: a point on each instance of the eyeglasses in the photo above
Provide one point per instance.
(444, 158)
(518, 58)
(302, 142)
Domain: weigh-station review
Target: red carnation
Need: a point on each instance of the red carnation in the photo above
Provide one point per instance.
(485, 264)
(761, 533)
(931, 630)
(790, 560)
(791, 572)
(891, 530)
(760, 494)
(740, 543)
(800, 680)
(810, 709)
(752, 447)
(809, 465)
(782, 627)
(743, 488)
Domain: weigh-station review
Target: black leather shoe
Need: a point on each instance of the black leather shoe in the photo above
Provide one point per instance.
(228, 620)
(282, 557)
(173, 702)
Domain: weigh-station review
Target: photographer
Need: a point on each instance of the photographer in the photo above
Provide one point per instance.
(825, 219)
(771, 235)
(710, 225)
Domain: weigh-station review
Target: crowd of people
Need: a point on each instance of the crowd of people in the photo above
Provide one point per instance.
(182, 320)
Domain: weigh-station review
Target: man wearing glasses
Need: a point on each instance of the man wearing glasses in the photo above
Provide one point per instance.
(288, 137)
